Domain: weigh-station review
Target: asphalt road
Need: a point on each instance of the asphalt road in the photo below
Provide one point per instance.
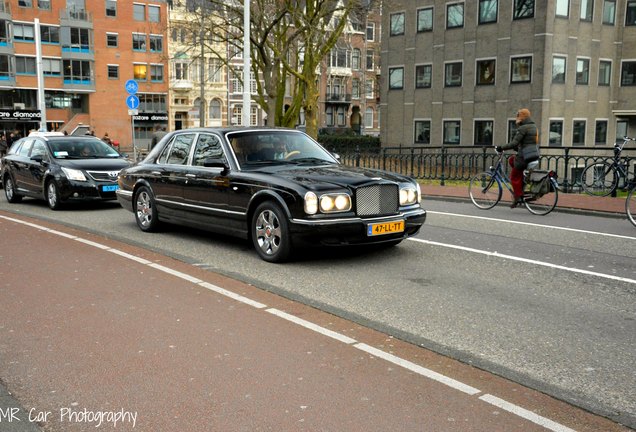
(549, 308)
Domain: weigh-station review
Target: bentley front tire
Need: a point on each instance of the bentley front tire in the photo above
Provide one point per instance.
(270, 233)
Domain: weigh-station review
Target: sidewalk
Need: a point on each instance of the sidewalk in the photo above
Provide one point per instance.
(576, 201)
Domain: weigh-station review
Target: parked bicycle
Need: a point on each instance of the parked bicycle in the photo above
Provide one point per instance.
(601, 178)
(541, 190)
(630, 203)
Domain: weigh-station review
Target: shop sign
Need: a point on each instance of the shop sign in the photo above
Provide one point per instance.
(151, 117)
(18, 115)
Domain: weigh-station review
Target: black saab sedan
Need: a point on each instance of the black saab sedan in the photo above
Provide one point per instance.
(61, 168)
(277, 187)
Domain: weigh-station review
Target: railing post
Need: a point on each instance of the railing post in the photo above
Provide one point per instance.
(412, 161)
(441, 182)
(384, 158)
(567, 163)
(357, 153)
(483, 159)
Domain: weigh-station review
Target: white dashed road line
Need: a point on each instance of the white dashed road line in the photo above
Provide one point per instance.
(420, 370)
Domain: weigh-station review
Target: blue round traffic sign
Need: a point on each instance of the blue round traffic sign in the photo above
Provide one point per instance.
(132, 101)
(132, 87)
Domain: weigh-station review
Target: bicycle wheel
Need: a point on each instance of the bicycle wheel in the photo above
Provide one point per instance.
(599, 179)
(544, 204)
(485, 190)
(630, 205)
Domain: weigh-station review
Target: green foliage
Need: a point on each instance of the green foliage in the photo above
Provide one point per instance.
(349, 143)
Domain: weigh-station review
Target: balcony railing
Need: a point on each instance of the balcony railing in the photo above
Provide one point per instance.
(338, 97)
(76, 15)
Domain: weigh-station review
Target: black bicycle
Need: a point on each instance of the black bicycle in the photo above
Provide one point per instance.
(601, 178)
(630, 203)
(540, 194)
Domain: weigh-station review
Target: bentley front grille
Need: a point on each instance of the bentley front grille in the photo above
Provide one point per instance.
(105, 176)
(377, 200)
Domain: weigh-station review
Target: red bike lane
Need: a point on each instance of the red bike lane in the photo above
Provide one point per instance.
(99, 335)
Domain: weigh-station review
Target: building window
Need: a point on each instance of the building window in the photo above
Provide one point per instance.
(578, 133)
(215, 109)
(139, 12)
(44, 4)
(486, 72)
(483, 132)
(587, 10)
(23, 32)
(25, 65)
(558, 69)
(80, 39)
(368, 118)
(600, 132)
(425, 20)
(355, 88)
(154, 13)
(423, 76)
(556, 133)
(371, 32)
(604, 72)
(562, 8)
(112, 40)
(355, 59)
(487, 11)
(140, 71)
(152, 102)
(628, 73)
(329, 115)
(5, 67)
(49, 34)
(582, 71)
(77, 71)
(512, 129)
(25, 3)
(397, 24)
(370, 62)
(215, 69)
(156, 73)
(453, 74)
(396, 78)
(138, 42)
(621, 129)
(452, 131)
(156, 43)
(422, 131)
(609, 12)
(520, 69)
(51, 67)
(339, 58)
(523, 9)
(180, 70)
(630, 13)
(111, 8)
(369, 89)
(113, 71)
(455, 15)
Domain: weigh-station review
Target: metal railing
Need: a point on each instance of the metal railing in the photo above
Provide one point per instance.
(460, 163)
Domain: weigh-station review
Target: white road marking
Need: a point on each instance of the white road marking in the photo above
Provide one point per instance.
(534, 224)
(311, 326)
(526, 260)
(420, 370)
(457, 385)
(524, 413)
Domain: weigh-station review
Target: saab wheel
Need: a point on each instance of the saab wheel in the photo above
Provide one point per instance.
(145, 209)
(270, 233)
(10, 191)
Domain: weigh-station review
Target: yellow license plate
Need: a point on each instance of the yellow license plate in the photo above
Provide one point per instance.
(385, 228)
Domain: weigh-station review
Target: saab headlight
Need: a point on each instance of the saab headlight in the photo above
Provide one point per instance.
(311, 203)
(333, 203)
(409, 195)
(73, 174)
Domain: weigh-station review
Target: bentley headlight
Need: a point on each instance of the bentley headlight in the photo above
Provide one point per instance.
(333, 203)
(73, 174)
(409, 195)
(311, 203)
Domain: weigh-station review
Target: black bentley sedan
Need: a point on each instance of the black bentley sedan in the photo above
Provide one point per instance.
(277, 187)
(60, 168)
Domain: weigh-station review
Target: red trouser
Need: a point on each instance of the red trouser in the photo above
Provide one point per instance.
(516, 178)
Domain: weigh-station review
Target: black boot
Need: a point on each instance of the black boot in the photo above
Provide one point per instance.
(515, 202)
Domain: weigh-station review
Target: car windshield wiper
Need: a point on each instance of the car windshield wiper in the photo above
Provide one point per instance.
(312, 160)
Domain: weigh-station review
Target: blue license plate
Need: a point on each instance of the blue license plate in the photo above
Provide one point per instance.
(110, 188)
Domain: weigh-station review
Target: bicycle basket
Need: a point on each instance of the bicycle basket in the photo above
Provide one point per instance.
(539, 183)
